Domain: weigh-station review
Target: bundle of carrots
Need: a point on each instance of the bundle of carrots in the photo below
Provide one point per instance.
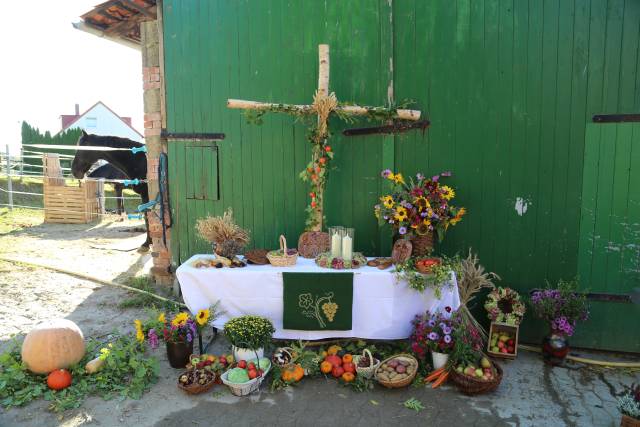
(438, 377)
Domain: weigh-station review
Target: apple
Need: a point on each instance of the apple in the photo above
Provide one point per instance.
(459, 369)
(510, 349)
(251, 366)
(503, 350)
(495, 349)
(500, 345)
(242, 364)
(223, 360)
(511, 343)
(504, 338)
(485, 363)
(479, 373)
(252, 373)
(470, 371)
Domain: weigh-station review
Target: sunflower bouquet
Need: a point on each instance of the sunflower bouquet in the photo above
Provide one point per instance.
(182, 327)
(418, 206)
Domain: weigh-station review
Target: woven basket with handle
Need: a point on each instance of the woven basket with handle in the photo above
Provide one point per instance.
(282, 258)
(471, 386)
(422, 245)
(403, 382)
(368, 371)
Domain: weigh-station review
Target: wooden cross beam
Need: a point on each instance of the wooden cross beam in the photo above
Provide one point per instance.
(324, 104)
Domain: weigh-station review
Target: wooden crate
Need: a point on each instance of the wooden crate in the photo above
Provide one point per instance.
(503, 327)
(69, 204)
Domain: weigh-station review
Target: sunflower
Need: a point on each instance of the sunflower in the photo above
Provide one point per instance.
(387, 201)
(161, 318)
(391, 176)
(401, 213)
(139, 333)
(447, 192)
(456, 219)
(422, 229)
(180, 319)
(203, 317)
(422, 203)
(397, 178)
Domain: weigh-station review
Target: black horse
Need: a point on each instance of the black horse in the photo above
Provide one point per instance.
(108, 171)
(133, 165)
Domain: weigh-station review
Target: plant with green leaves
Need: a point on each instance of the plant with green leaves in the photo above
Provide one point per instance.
(250, 332)
(439, 277)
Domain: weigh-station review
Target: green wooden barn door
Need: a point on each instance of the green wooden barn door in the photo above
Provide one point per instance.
(609, 246)
(195, 187)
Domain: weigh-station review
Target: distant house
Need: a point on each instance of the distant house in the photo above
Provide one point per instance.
(100, 120)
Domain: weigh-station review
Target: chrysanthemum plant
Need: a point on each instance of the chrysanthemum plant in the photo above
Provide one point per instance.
(250, 332)
(419, 206)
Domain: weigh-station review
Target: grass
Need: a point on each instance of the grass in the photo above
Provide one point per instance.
(138, 300)
(18, 219)
(34, 185)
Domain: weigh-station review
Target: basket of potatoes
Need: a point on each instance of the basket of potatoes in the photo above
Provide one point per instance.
(397, 371)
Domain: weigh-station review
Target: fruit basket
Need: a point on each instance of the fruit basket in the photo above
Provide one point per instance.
(471, 385)
(397, 371)
(283, 257)
(248, 387)
(282, 357)
(325, 260)
(196, 381)
(425, 265)
(366, 364)
(503, 340)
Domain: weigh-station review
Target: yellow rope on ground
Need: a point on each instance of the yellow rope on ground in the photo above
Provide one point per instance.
(587, 361)
(91, 278)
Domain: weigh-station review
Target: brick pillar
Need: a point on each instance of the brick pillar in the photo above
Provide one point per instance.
(152, 81)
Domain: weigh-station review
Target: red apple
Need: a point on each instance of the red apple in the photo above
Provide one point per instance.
(500, 345)
(251, 366)
(242, 364)
(510, 343)
(253, 373)
(503, 350)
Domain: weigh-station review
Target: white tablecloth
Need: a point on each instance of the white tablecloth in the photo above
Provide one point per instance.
(382, 307)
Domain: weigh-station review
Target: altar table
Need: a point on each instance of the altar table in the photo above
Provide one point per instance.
(382, 307)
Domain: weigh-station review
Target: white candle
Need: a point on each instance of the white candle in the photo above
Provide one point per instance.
(336, 241)
(347, 248)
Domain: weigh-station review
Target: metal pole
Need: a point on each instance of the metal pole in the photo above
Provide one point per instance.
(9, 183)
(21, 161)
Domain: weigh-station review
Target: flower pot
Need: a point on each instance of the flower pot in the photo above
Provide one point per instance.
(179, 353)
(555, 348)
(422, 245)
(439, 359)
(246, 354)
(627, 421)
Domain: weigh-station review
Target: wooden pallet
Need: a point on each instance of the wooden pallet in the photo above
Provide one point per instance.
(67, 204)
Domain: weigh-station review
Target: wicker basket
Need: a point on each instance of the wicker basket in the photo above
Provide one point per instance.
(404, 382)
(196, 388)
(422, 245)
(627, 421)
(282, 258)
(472, 386)
(287, 350)
(368, 371)
(244, 389)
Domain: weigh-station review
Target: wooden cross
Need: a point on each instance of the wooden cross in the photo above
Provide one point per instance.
(324, 104)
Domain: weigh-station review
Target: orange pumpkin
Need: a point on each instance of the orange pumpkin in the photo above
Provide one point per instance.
(347, 358)
(334, 349)
(326, 367)
(59, 379)
(287, 375)
(298, 373)
(348, 377)
(54, 344)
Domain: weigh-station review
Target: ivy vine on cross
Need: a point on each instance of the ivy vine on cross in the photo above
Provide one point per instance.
(324, 105)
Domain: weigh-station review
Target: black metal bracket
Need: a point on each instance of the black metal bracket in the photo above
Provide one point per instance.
(616, 118)
(394, 128)
(180, 136)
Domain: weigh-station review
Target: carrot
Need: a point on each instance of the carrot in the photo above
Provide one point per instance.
(440, 380)
(433, 375)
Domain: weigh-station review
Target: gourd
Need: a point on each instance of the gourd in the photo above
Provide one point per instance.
(94, 365)
(52, 345)
(59, 379)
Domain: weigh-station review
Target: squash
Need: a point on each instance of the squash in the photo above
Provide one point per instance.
(52, 345)
(326, 367)
(94, 365)
(292, 373)
(348, 377)
(333, 350)
(347, 358)
(59, 379)
(298, 373)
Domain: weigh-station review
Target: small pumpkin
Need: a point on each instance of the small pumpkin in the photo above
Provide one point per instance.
(298, 373)
(59, 379)
(333, 350)
(326, 367)
(287, 375)
(347, 358)
(348, 377)
(52, 345)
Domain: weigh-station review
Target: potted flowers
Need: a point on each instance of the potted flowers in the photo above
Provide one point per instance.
(417, 209)
(629, 405)
(248, 336)
(434, 332)
(561, 307)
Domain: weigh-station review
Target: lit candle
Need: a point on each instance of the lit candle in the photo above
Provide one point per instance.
(336, 241)
(347, 248)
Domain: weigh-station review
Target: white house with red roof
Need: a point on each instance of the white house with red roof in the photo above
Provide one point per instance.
(101, 120)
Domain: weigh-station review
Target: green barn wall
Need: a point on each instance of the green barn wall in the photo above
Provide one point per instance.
(509, 87)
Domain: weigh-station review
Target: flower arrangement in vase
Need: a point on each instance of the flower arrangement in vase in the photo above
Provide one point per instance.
(418, 208)
(435, 332)
(629, 405)
(562, 307)
(249, 335)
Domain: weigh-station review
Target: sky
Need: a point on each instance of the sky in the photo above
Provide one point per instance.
(48, 66)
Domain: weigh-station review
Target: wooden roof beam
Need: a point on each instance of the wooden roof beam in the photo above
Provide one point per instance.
(143, 10)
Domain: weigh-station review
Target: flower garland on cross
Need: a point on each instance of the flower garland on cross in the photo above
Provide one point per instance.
(324, 105)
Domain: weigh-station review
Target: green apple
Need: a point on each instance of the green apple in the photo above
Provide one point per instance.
(495, 349)
(485, 363)
(459, 369)
(504, 338)
(479, 373)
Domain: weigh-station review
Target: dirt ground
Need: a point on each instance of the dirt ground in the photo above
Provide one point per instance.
(531, 394)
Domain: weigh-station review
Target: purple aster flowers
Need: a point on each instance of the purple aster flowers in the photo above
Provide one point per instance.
(153, 338)
(402, 230)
